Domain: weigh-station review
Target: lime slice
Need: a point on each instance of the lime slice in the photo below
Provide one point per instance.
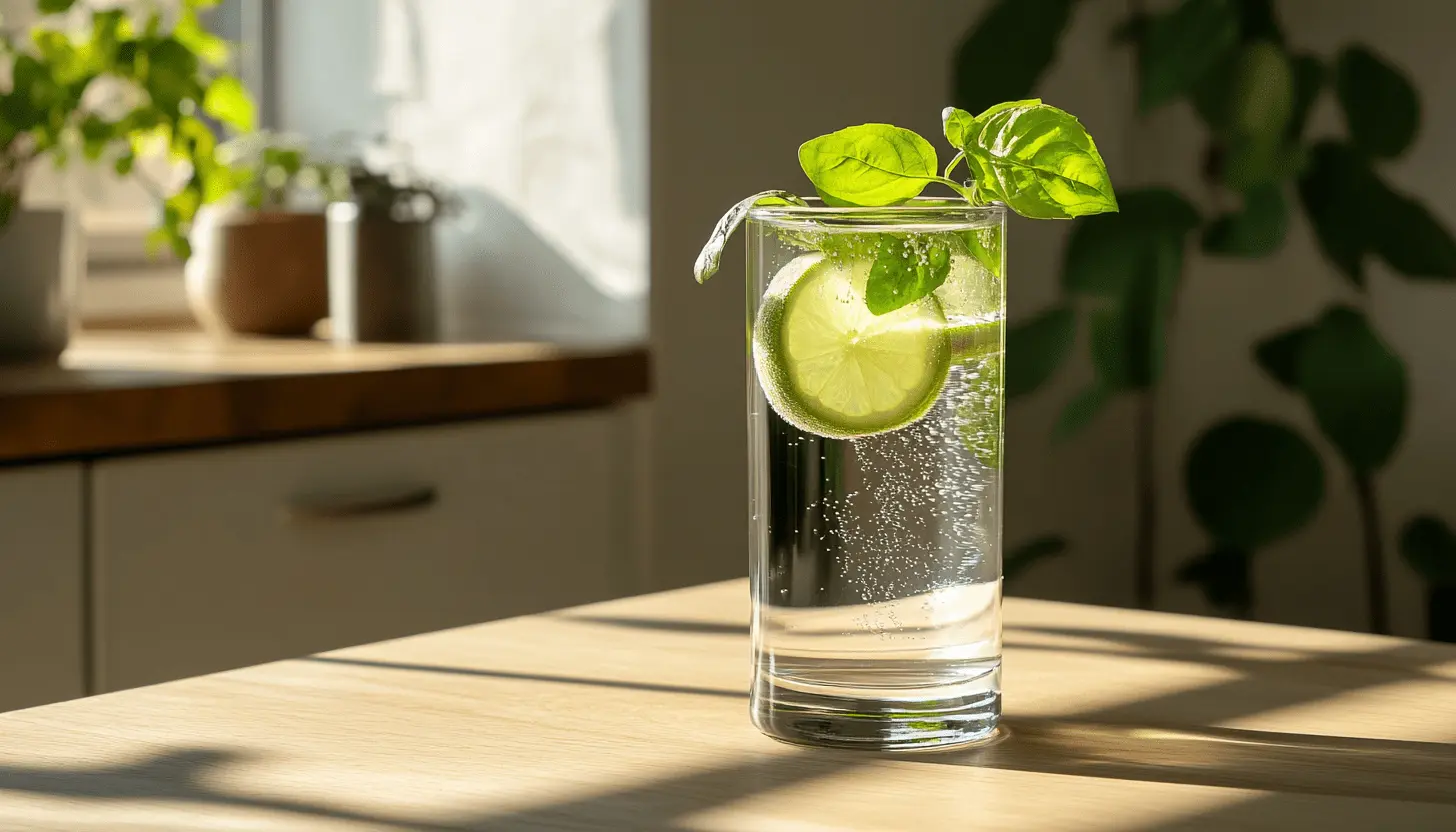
(831, 367)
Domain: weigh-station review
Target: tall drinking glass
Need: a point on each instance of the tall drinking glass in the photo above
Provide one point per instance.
(875, 430)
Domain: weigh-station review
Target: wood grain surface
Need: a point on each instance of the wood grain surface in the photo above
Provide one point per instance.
(632, 715)
(128, 391)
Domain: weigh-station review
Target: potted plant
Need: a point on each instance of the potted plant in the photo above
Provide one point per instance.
(259, 261)
(111, 86)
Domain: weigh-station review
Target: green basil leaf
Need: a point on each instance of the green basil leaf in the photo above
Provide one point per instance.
(1278, 355)
(1429, 546)
(905, 270)
(1020, 558)
(1251, 482)
(985, 245)
(228, 101)
(1036, 348)
(1256, 231)
(712, 254)
(957, 124)
(1223, 575)
(1040, 161)
(868, 165)
(1381, 106)
(1180, 48)
(1356, 387)
(1008, 51)
(1080, 411)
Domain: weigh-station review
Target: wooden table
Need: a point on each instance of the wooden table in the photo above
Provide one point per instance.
(117, 392)
(632, 715)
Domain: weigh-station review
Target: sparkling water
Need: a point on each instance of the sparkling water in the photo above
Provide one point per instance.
(879, 618)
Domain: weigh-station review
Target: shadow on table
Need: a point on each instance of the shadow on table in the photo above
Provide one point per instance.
(662, 625)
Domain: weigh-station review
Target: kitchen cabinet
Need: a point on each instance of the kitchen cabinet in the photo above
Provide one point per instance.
(217, 558)
(41, 585)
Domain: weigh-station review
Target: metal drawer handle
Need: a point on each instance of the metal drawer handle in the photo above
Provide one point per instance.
(346, 507)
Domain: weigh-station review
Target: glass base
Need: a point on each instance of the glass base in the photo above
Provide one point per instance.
(829, 721)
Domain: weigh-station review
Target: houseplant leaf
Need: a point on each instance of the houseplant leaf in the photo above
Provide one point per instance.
(1279, 356)
(1408, 238)
(1179, 48)
(1007, 52)
(1251, 482)
(1080, 411)
(1256, 231)
(1224, 577)
(1355, 386)
(1337, 190)
(1429, 547)
(1382, 109)
(1103, 251)
(1036, 348)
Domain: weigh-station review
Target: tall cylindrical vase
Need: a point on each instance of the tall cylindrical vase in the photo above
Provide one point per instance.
(875, 428)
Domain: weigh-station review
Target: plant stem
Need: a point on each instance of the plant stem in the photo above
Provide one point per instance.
(1145, 539)
(1374, 553)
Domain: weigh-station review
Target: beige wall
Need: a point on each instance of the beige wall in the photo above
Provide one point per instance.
(736, 86)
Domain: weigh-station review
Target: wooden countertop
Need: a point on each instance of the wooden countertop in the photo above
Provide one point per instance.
(632, 715)
(127, 391)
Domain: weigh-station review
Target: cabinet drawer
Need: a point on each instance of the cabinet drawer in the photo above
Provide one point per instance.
(207, 560)
(41, 654)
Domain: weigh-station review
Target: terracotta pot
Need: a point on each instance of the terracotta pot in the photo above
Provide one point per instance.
(258, 273)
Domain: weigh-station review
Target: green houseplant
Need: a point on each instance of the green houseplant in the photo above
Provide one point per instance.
(108, 87)
(1249, 480)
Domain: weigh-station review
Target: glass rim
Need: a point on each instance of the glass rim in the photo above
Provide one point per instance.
(919, 211)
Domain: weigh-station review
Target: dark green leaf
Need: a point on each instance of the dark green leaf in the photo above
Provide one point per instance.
(1181, 47)
(1406, 236)
(905, 270)
(1223, 575)
(1035, 348)
(712, 254)
(1337, 190)
(1441, 614)
(1381, 106)
(1251, 482)
(868, 164)
(1256, 231)
(1129, 336)
(172, 75)
(1104, 251)
(1257, 21)
(1080, 411)
(1007, 52)
(1039, 161)
(1309, 80)
(1021, 558)
(1429, 546)
(124, 164)
(1356, 387)
(54, 6)
(1278, 355)
(8, 201)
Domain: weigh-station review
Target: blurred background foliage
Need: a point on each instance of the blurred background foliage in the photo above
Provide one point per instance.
(1248, 480)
